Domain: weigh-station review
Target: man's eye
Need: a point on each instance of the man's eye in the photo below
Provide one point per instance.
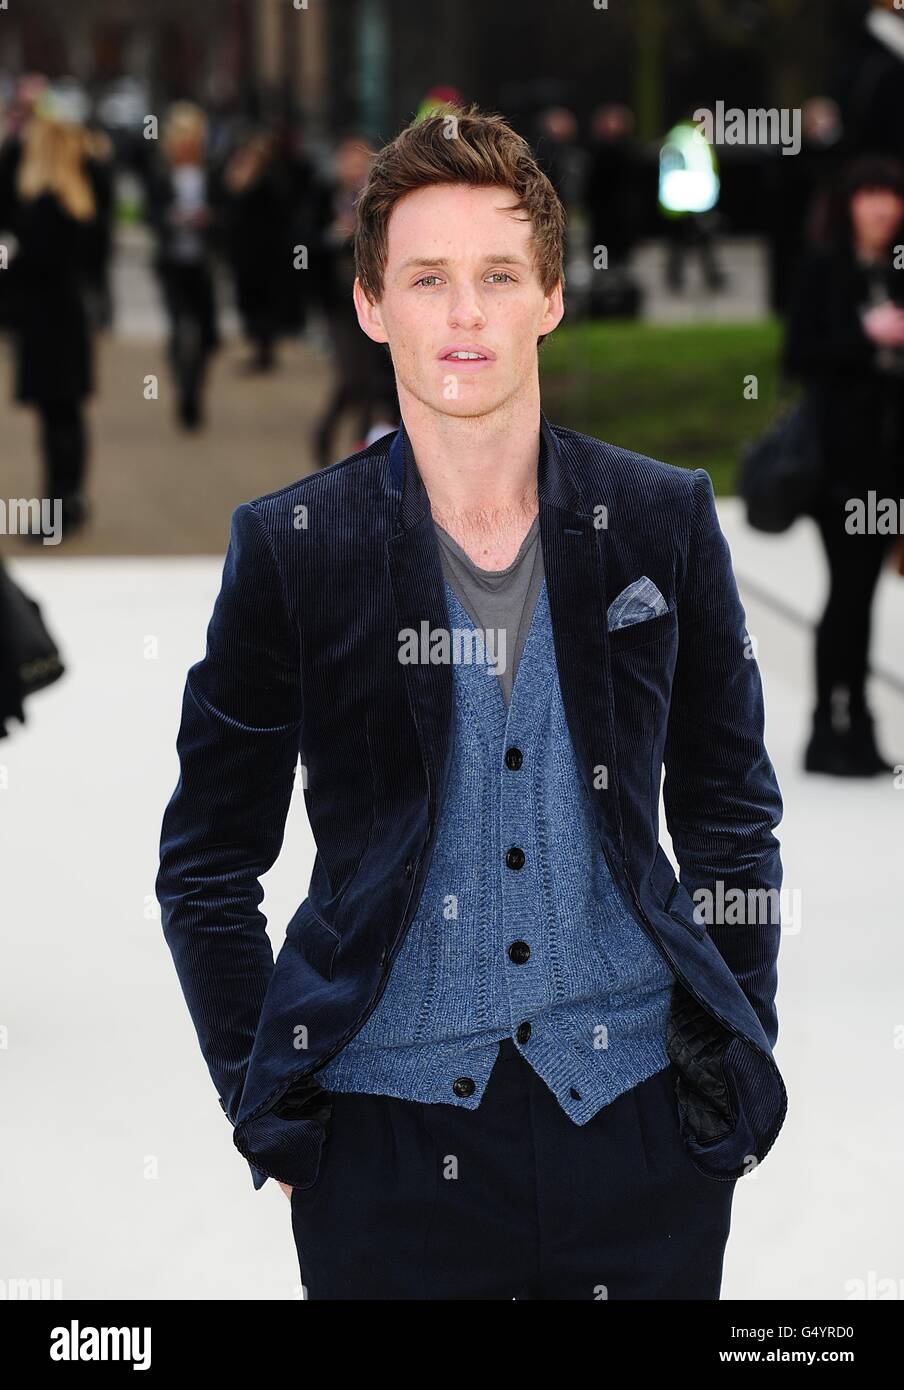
(425, 278)
(500, 273)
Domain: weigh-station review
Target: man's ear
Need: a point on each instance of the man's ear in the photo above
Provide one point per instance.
(555, 308)
(369, 316)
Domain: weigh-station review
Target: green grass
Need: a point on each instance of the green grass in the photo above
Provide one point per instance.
(674, 392)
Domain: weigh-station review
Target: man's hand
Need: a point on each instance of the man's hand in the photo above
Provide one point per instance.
(286, 1189)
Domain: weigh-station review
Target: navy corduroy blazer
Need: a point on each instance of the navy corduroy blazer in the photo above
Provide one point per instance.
(319, 582)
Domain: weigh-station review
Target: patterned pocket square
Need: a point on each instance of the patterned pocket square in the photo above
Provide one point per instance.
(640, 601)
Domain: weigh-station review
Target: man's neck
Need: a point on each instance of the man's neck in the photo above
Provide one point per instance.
(480, 473)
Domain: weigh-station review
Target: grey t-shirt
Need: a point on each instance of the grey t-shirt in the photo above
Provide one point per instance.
(502, 600)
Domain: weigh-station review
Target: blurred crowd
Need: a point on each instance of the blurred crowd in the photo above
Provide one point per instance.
(251, 199)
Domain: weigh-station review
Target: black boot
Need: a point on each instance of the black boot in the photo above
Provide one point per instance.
(862, 751)
(827, 750)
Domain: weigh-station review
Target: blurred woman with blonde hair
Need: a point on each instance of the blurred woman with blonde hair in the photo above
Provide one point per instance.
(50, 203)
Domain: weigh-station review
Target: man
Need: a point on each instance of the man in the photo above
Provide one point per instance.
(498, 1055)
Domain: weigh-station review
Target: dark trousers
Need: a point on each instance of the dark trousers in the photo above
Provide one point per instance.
(188, 292)
(843, 634)
(512, 1200)
(63, 446)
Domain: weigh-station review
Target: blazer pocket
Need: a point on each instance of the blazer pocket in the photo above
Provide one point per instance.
(650, 630)
(682, 907)
(314, 938)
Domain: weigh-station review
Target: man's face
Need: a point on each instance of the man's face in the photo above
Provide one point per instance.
(460, 275)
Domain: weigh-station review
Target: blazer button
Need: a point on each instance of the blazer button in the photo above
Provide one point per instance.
(514, 857)
(407, 868)
(463, 1086)
(519, 952)
(523, 1033)
(513, 758)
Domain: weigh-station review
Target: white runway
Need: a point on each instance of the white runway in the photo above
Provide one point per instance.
(118, 1176)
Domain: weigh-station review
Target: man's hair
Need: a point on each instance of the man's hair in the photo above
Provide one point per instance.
(461, 145)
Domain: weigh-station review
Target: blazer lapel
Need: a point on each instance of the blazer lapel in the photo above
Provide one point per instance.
(574, 558)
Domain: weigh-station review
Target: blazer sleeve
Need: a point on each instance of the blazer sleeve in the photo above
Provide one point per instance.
(238, 746)
(722, 800)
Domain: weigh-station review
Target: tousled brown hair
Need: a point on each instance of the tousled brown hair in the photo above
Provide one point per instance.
(461, 145)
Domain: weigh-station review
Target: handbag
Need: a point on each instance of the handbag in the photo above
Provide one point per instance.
(780, 475)
(29, 659)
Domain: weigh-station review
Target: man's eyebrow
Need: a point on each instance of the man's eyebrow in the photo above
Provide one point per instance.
(505, 258)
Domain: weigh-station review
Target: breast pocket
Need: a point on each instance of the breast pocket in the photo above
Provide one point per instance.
(658, 629)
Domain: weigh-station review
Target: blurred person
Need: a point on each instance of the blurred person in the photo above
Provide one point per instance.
(559, 154)
(845, 341)
(364, 385)
(495, 959)
(871, 85)
(792, 188)
(99, 151)
(257, 213)
(51, 199)
(306, 192)
(26, 92)
(688, 198)
(29, 657)
(29, 90)
(612, 194)
(180, 208)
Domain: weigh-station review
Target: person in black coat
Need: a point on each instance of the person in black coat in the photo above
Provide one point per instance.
(181, 207)
(52, 199)
(845, 340)
(364, 383)
(258, 210)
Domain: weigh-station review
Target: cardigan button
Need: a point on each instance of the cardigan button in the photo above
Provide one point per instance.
(523, 1033)
(519, 952)
(463, 1086)
(514, 857)
(513, 758)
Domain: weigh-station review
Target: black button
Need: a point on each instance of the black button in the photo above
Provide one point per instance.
(523, 1032)
(519, 952)
(384, 955)
(575, 1095)
(513, 758)
(514, 857)
(407, 868)
(464, 1086)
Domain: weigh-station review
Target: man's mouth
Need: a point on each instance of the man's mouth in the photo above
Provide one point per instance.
(467, 356)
